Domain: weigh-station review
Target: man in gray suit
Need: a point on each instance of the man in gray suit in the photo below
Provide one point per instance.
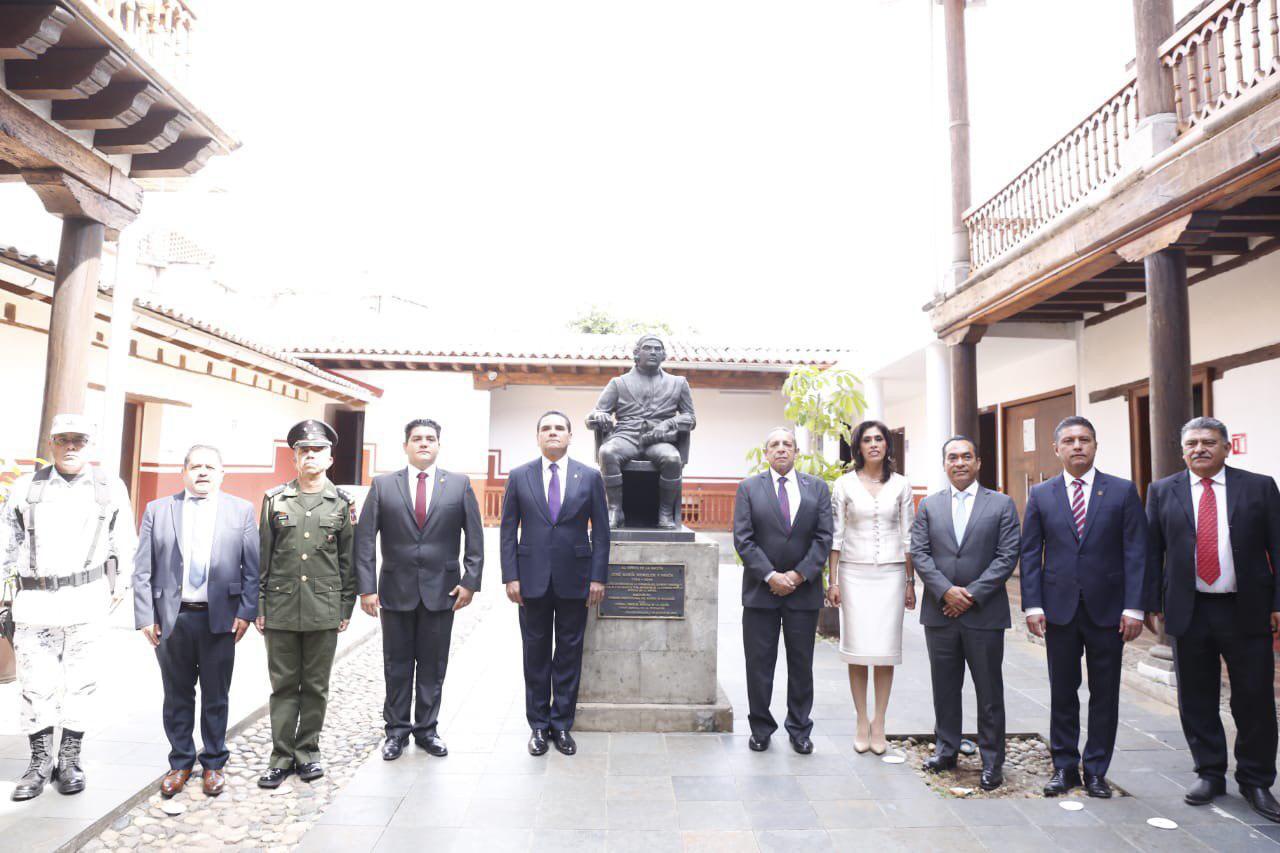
(420, 513)
(195, 591)
(964, 545)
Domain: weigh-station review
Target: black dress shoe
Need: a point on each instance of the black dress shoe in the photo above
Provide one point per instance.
(1261, 801)
(565, 743)
(1096, 786)
(990, 779)
(936, 764)
(310, 771)
(758, 744)
(802, 745)
(273, 777)
(392, 748)
(538, 742)
(1204, 790)
(433, 745)
(1063, 780)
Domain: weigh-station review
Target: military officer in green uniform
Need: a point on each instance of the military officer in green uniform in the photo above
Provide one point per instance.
(306, 597)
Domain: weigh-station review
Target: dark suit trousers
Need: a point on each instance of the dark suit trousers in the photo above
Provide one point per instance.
(1214, 634)
(951, 648)
(190, 653)
(415, 654)
(1103, 649)
(553, 629)
(760, 628)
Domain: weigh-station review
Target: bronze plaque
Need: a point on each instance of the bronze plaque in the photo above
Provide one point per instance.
(644, 591)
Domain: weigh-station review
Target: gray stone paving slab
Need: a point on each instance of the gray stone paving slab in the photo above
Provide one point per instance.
(793, 841)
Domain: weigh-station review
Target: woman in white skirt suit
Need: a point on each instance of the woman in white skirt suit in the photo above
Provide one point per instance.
(871, 579)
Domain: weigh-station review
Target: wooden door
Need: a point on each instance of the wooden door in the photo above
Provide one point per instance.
(1028, 443)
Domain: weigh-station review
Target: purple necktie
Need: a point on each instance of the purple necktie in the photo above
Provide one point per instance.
(785, 503)
(553, 492)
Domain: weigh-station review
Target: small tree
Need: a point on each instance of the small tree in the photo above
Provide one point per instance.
(826, 403)
(596, 321)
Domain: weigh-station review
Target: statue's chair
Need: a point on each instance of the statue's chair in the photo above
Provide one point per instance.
(640, 483)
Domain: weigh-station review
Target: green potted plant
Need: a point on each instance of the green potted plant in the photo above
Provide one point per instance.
(827, 404)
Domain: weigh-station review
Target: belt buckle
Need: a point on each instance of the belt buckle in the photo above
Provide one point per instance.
(51, 583)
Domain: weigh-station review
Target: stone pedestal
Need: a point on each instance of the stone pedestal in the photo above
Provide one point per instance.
(654, 670)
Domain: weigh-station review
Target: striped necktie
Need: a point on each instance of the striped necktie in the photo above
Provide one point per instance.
(1077, 505)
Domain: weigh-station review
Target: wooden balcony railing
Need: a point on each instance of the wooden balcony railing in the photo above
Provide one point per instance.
(1081, 161)
(161, 29)
(1221, 54)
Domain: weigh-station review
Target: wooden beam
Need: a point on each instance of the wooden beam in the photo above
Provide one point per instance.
(1046, 315)
(1259, 207)
(156, 132)
(1248, 228)
(181, 159)
(27, 141)
(1075, 297)
(71, 198)
(1221, 246)
(1054, 307)
(121, 104)
(63, 73)
(28, 30)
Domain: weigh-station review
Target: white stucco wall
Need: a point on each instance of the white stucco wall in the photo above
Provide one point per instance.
(450, 399)
(1245, 399)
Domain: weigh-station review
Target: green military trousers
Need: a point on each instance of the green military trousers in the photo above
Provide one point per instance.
(299, 663)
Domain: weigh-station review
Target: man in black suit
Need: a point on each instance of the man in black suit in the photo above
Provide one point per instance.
(1084, 558)
(1215, 548)
(964, 545)
(782, 530)
(554, 570)
(420, 514)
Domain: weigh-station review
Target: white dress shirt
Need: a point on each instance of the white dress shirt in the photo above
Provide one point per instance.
(792, 487)
(1226, 581)
(430, 471)
(198, 518)
(972, 493)
(1088, 478)
(562, 468)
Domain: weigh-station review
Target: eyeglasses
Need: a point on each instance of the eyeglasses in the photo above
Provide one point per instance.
(71, 440)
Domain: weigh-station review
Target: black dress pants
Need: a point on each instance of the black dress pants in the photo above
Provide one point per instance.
(952, 648)
(1103, 649)
(189, 654)
(760, 629)
(552, 629)
(415, 654)
(1214, 636)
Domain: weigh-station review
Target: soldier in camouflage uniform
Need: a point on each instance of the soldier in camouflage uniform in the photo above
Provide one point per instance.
(306, 597)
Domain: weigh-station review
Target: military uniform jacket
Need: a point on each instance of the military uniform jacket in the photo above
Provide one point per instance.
(307, 577)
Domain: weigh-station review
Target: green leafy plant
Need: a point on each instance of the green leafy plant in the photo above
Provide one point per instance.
(827, 403)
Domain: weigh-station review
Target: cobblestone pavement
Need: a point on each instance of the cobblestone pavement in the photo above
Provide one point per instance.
(247, 818)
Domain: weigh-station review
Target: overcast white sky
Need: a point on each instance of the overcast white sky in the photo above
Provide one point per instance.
(762, 171)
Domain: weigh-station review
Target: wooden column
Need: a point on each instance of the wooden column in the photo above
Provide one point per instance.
(75, 292)
(958, 131)
(964, 380)
(1168, 315)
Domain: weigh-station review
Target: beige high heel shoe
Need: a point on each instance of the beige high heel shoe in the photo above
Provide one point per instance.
(878, 743)
(860, 741)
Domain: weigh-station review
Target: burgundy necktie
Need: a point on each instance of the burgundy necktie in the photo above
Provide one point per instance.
(553, 492)
(1077, 505)
(1207, 566)
(785, 503)
(420, 505)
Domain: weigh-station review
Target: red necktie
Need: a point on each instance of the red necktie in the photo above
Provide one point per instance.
(1207, 566)
(1077, 506)
(420, 505)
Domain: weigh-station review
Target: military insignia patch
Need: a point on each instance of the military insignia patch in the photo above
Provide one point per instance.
(279, 518)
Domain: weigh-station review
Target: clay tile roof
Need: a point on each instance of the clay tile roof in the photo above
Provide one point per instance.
(584, 348)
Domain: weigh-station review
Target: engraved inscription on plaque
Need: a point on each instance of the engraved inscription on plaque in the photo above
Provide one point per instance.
(644, 591)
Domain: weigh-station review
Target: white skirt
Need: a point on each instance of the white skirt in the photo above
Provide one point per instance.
(872, 604)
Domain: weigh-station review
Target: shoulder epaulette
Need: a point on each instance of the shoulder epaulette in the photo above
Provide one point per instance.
(345, 495)
(271, 493)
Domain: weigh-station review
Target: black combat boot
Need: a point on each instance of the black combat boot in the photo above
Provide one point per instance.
(40, 768)
(613, 497)
(668, 496)
(68, 778)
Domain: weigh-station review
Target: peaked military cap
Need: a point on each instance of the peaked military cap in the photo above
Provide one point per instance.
(312, 433)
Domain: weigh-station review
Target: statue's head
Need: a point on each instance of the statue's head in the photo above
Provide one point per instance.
(649, 353)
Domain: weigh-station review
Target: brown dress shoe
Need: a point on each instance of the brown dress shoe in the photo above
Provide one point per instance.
(173, 782)
(214, 782)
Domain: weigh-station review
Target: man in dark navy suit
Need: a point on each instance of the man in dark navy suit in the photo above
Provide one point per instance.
(1084, 544)
(782, 530)
(1215, 549)
(555, 570)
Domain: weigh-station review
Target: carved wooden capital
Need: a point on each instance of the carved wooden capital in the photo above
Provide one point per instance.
(68, 196)
(1190, 230)
(966, 335)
